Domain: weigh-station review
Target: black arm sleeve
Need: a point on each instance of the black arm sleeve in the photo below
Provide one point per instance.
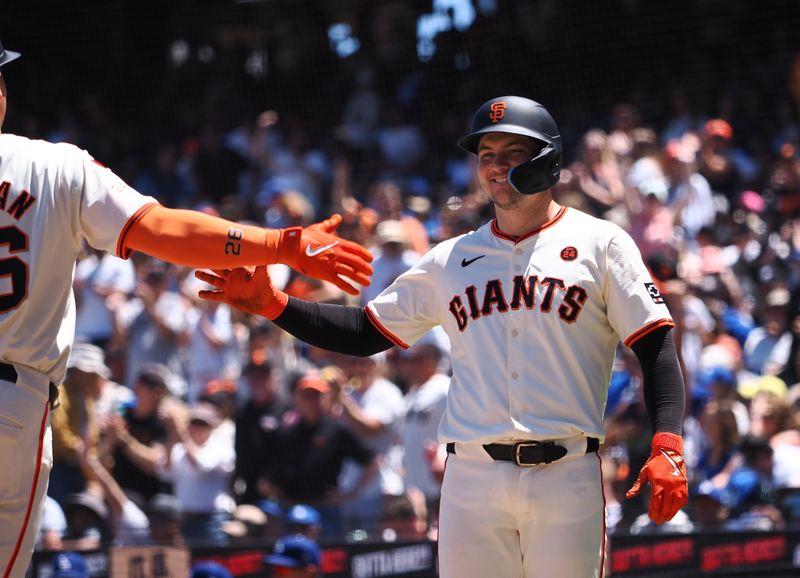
(333, 327)
(664, 394)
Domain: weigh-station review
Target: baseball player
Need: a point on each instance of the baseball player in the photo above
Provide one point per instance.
(535, 303)
(52, 197)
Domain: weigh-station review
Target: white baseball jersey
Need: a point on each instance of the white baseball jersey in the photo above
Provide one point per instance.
(533, 323)
(52, 197)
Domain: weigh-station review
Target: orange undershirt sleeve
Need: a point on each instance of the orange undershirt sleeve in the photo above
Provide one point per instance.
(194, 239)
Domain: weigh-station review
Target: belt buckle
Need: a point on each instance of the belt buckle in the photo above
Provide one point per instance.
(518, 447)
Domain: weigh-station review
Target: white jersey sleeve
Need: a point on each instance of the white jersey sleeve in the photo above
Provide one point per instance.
(635, 306)
(412, 305)
(52, 198)
(105, 202)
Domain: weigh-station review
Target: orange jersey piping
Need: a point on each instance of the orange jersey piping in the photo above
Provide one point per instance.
(637, 335)
(122, 250)
(498, 233)
(32, 496)
(383, 331)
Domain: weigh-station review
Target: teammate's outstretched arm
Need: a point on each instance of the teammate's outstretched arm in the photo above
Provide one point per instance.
(333, 327)
(194, 239)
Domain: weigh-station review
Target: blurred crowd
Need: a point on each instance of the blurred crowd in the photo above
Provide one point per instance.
(185, 422)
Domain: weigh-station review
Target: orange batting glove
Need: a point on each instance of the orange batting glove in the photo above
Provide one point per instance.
(247, 289)
(665, 469)
(316, 251)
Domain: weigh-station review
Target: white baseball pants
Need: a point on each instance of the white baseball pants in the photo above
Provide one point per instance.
(26, 457)
(500, 519)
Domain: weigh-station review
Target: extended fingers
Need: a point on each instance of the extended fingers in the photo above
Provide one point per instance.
(356, 249)
(347, 271)
(214, 279)
(214, 295)
(668, 506)
(636, 488)
(343, 285)
(329, 225)
(332, 223)
(656, 511)
(355, 262)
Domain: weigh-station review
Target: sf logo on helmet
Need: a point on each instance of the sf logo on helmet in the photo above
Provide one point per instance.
(497, 111)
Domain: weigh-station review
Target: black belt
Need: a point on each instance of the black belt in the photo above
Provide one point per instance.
(9, 373)
(529, 453)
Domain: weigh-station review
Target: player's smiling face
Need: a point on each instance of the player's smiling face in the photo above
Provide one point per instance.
(498, 153)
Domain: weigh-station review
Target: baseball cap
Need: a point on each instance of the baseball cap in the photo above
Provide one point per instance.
(89, 359)
(7, 56)
(709, 376)
(87, 500)
(313, 381)
(69, 565)
(210, 570)
(707, 490)
(204, 413)
(155, 375)
(164, 506)
(778, 297)
(294, 552)
(258, 363)
(270, 508)
(718, 127)
(656, 187)
(303, 515)
(391, 231)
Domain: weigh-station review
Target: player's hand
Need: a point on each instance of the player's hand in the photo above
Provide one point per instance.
(316, 251)
(245, 288)
(665, 469)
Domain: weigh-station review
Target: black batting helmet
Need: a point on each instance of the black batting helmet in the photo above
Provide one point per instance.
(518, 115)
(7, 56)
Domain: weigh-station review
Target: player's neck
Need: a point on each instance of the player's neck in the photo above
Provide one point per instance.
(534, 212)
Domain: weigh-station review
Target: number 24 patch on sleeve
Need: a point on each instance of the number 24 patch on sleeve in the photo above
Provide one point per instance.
(655, 294)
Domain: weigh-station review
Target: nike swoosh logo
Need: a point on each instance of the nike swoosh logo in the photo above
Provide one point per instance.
(675, 470)
(467, 263)
(317, 250)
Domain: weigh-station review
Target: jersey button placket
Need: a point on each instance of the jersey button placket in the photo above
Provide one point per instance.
(516, 353)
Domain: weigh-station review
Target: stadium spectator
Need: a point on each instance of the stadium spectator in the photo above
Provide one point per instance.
(392, 257)
(766, 350)
(200, 466)
(212, 350)
(101, 281)
(75, 428)
(70, 565)
(164, 514)
(312, 452)
(136, 438)
(296, 557)
(87, 522)
(152, 325)
(370, 406)
(257, 423)
(750, 492)
(305, 520)
(424, 406)
(53, 527)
